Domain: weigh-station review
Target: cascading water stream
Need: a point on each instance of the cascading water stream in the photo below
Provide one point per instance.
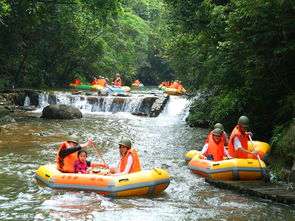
(161, 142)
(89, 104)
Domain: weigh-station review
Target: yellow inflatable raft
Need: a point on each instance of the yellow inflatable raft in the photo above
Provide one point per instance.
(262, 148)
(139, 183)
(173, 91)
(231, 169)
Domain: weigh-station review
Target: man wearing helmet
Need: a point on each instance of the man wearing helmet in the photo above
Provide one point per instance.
(67, 154)
(238, 142)
(214, 149)
(129, 162)
(224, 134)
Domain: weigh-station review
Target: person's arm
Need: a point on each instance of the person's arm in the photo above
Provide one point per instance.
(67, 151)
(204, 150)
(226, 140)
(127, 168)
(238, 146)
(226, 153)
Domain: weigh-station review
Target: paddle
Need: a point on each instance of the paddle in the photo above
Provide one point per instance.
(264, 172)
(100, 156)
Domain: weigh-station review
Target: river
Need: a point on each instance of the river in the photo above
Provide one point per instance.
(161, 142)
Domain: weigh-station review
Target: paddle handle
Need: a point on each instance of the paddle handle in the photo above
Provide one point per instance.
(100, 156)
(259, 160)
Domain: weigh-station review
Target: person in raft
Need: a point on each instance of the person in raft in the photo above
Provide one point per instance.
(77, 81)
(129, 162)
(81, 165)
(214, 149)
(238, 141)
(117, 82)
(224, 134)
(67, 154)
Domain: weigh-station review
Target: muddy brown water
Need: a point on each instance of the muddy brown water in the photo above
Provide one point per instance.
(161, 143)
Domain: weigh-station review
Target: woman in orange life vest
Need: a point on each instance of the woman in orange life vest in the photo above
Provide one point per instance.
(67, 154)
(94, 81)
(214, 149)
(129, 162)
(238, 141)
(224, 134)
(177, 85)
(117, 82)
(77, 81)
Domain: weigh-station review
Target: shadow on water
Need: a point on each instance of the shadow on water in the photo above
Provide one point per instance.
(161, 143)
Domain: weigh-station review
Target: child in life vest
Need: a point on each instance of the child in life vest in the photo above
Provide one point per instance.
(81, 165)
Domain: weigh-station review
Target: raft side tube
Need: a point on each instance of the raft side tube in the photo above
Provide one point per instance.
(139, 183)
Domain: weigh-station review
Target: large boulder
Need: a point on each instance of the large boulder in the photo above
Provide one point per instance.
(61, 111)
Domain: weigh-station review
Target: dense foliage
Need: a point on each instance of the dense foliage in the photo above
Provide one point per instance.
(47, 43)
(244, 50)
(239, 52)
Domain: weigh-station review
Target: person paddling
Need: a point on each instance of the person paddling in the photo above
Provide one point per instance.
(67, 154)
(214, 149)
(238, 141)
(129, 162)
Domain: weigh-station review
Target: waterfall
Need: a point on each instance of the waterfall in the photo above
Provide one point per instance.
(27, 101)
(96, 103)
(176, 109)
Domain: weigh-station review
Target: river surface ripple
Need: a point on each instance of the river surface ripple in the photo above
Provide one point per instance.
(161, 143)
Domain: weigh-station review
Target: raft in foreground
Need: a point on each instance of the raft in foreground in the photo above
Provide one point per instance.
(231, 169)
(140, 183)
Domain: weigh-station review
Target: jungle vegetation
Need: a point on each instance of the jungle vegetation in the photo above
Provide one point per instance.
(239, 53)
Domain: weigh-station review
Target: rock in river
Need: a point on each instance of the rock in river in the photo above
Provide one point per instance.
(61, 111)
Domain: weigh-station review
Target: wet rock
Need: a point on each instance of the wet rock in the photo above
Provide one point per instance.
(102, 93)
(118, 100)
(7, 119)
(159, 105)
(77, 92)
(139, 114)
(123, 95)
(61, 111)
(28, 108)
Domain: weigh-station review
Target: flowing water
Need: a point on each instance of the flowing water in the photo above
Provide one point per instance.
(161, 142)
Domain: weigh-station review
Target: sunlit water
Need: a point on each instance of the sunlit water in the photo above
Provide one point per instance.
(161, 143)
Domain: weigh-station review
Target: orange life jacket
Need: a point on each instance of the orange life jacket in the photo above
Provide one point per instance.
(66, 164)
(117, 82)
(166, 84)
(216, 149)
(137, 82)
(136, 164)
(77, 82)
(101, 82)
(175, 85)
(244, 141)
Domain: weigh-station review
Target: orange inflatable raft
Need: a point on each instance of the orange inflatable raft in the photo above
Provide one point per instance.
(140, 183)
(173, 91)
(262, 148)
(231, 169)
